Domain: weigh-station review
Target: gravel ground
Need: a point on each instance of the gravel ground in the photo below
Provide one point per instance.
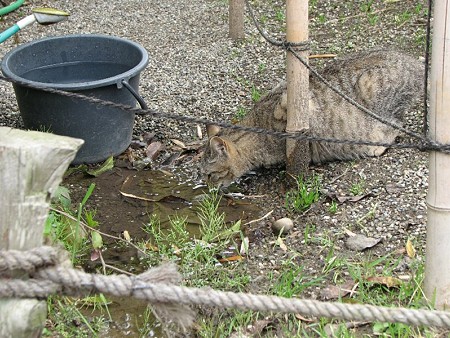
(196, 70)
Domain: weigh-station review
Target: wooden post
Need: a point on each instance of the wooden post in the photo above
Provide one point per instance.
(32, 165)
(437, 266)
(297, 75)
(236, 9)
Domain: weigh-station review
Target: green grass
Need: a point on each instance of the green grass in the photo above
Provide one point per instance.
(280, 15)
(198, 256)
(322, 18)
(255, 94)
(240, 114)
(74, 230)
(199, 259)
(65, 320)
(333, 207)
(357, 188)
(65, 225)
(306, 193)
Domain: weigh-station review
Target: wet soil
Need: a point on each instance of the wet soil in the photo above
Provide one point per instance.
(125, 199)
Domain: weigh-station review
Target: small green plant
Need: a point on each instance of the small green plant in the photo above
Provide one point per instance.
(366, 6)
(372, 18)
(197, 255)
(263, 18)
(290, 280)
(322, 18)
(280, 15)
(67, 227)
(307, 193)
(256, 94)
(368, 216)
(145, 328)
(240, 114)
(421, 10)
(357, 188)
(404, 17)
(262, 67)
(75, 230)
(420, 37)
(307, 234)
(169, 242)
(331, 261)
(333, 207)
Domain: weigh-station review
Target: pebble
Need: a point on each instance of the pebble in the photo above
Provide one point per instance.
(283, 225)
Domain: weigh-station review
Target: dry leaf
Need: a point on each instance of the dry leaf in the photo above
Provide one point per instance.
(127, 236)
(304, 319)
(404, 278)
(320, 56)
(410, 251)
(199, 132)
(151, 247)
(349, 233)
(333, 292)
(95, 254)
(385, 280)
(153, 150)
(137, 197)
(176, 250)
(178, 143)
(244, 246)
(281, 244)
(231, 259)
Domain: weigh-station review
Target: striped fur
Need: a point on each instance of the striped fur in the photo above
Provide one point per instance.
(384, 81)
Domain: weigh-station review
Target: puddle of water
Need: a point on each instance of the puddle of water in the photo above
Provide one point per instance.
(167, 194)
(124, 200)
(128, 319)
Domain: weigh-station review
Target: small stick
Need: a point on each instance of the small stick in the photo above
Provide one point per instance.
(259, 219)
(322, 56)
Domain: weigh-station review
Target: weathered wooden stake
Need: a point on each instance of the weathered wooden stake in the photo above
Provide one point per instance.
(32, 165)
(236, 10)
(297, 75)
(437, 266)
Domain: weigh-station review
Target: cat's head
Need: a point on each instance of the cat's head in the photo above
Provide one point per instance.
(218, 162)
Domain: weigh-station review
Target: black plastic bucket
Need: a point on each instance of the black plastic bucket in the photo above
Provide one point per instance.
(100, 66)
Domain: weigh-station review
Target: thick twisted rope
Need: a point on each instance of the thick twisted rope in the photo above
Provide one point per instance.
(156, 286)
(29, 260)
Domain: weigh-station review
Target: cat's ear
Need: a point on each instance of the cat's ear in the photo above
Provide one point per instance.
(218, 146)
(212, 130)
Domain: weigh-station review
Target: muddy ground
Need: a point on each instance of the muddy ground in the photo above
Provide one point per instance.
(196, 70)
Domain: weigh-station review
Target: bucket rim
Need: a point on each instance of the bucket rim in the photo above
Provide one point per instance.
(113, 80)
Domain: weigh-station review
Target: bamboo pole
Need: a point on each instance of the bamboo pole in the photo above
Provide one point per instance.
(32, 165)
(437, 267)
(297, 76)
(236, 10)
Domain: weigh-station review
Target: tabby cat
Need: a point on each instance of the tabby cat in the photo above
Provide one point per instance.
(384, 81)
